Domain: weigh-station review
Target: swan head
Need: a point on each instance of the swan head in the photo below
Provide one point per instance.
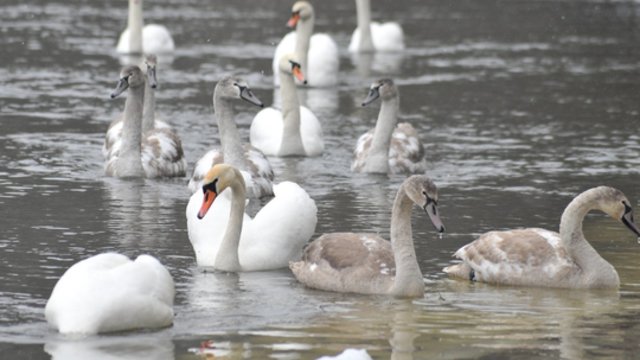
(130, 77)
(235, 88)
(383, 88)
(219, 177)
(615, 204)
(289, 64)
(151, 61)
(424, 193)
(300, 11)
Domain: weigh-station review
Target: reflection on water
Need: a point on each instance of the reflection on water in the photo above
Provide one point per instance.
(520, 105)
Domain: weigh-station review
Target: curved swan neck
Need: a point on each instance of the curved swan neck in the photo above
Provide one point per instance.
(148, 114)
(363, 9)
(131, 125)
(227, 258)
(134, 24)
(378, 158)
(408, 280)
(304, 30)
(230, 140)
(291, 139)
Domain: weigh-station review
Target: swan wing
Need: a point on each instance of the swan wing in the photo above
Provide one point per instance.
(266, 129)
(311, 132)
(156, 39)
(323, 61)
(361, 151)
(162, 153)
(406, 153)
(387, 36)
(260, 171)
(203, 165)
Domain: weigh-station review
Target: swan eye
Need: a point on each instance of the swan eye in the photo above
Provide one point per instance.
(210, 186)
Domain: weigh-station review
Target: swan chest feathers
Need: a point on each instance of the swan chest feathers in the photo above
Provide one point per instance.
(109, 292)
(267, 128)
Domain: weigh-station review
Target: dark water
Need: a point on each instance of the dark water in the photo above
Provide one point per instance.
(521, 105)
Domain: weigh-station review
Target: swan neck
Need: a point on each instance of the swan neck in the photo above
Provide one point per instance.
(304, 30)
(378, 159)
(291, 139)
(134, 24)
(408, 281)
(148, 113)
(363, 9)
(131, 126)
(230, 140)
(227, 258)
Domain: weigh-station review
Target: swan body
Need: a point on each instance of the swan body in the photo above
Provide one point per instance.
(317, 53)
(387, 147)
(292, 131)
(109, 292)
(543, 258)
(373, 36)
(228, 239)
(252, 163)
(367, 263)
(129, 152)
(150, 39)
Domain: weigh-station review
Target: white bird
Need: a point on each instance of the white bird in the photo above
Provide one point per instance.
(373, 36)
(387, 147)
(543, 258)
(349, 354)
(158, 153)
(251, 162)
(293, 131)
(150, 39)
(367, 263)
(228, 239)
(109, 292)
(317, 53)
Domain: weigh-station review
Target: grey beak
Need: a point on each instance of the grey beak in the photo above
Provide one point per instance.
(247, 94)
(627, 219)
(123, 85)
(374, 93)
(432, 210)
(151, 77)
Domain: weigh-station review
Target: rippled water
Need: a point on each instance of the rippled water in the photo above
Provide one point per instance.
(521, 105)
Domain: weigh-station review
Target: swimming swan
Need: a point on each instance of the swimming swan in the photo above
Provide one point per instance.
(538, 257)
(229, 240)
(388, 148)
(109, 292)
(292, 131)
(317, 53)
(373, 36)
(251, 162)
(152, 39)
(367, 263)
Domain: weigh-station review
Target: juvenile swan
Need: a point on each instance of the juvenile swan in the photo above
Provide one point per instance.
(109, 292)
(317, 53)
(387, 148)
(152, 39)
(251, 162)
(367, 263)
(373, 36)
(226, 238)
(538, 257)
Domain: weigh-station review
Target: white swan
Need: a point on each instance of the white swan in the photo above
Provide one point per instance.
(367, 263)
(293, 131)
(109, 292)
(252, 163)
(318, 54)
(152, 39)
(538, 257)
(372, 36)
(388, 148)
(158, 153)
(228, 239)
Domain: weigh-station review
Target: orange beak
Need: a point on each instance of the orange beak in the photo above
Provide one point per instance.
(209, 196)
(298, 73)
(293, 21)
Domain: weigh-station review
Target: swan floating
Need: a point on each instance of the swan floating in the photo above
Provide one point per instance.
(372, 36)
(156, 154)
(224, 237)
(294, 131)
(317, 53)
(388, 148)
(367, 263)
(251, 162)
(543, 258)
(150, 39)
(109, 292)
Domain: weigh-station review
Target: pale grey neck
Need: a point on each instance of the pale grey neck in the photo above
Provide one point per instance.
(571, 234)
(230, 140)
(134, 24)
(228, 258)
(363, 9)
(378, 157)
(408, 280)
(304, 30)
(131, 125)
(291, 139)
(148, 114)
